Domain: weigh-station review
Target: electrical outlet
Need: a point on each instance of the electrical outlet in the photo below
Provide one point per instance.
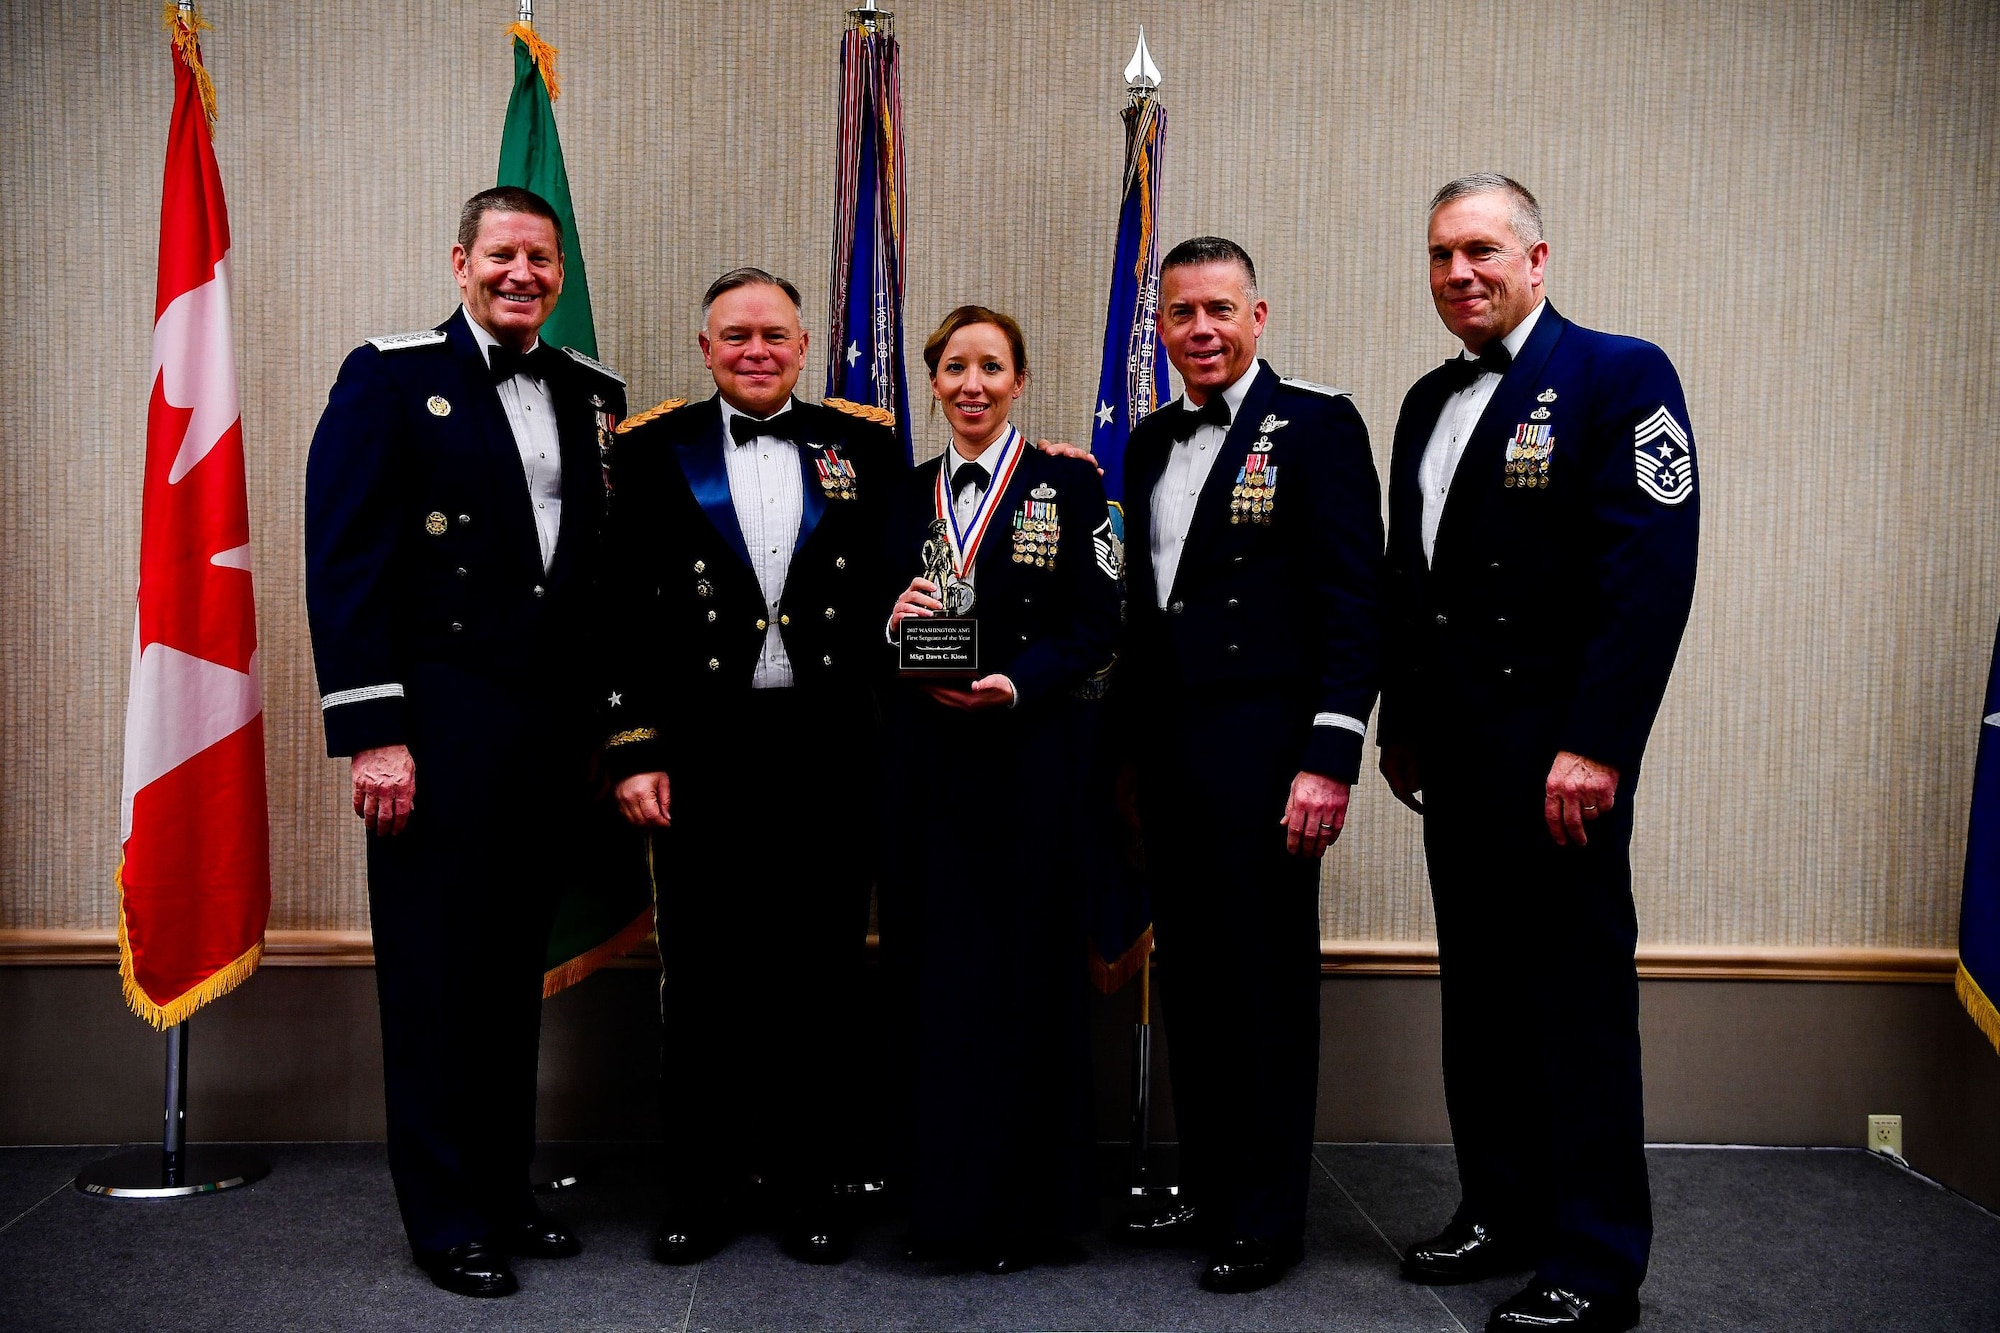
(1885, 1135)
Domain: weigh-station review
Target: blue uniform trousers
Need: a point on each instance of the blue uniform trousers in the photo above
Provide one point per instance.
(1541, 1015)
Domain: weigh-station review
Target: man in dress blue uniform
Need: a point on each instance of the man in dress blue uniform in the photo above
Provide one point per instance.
(744, 614)
(1542, 532)
(453, 503)
(1255, 532)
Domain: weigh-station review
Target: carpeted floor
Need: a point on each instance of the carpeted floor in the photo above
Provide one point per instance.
(1748, 1240)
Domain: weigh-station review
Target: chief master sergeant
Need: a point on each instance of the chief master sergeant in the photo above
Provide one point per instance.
(1542, 532)
(453, 503)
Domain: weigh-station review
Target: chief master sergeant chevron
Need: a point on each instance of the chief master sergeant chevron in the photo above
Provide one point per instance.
(453, 503)
(1542, 531)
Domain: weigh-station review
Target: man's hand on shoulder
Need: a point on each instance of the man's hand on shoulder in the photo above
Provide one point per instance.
(643, 800)
(1578, 789)
(1315, 812)
(385, 788)
(1064, 449)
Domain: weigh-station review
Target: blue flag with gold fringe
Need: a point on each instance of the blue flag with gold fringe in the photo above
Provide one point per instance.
(1979, 913)
(1132, 374)
(865, 350)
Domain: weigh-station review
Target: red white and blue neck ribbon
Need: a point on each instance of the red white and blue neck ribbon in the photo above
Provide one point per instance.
(965, 541)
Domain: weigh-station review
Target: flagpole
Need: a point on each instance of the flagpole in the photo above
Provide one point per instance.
(173, 1170)
(1142, 83)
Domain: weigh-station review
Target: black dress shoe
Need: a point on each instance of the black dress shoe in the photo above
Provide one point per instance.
(818, 1234)
(1542, 1305)
(1175, 1224)
(472, 1269)
(1462, 1252)
(1249, 1265)
(541, 1237)
(689, 1235)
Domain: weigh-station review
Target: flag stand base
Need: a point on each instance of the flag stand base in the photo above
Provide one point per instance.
(557, 1166)
(172, 1170)
(153, 1173)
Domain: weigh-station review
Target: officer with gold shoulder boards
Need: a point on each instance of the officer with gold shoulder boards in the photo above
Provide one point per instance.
(454, 500)
(744, 630)
(1542, 533)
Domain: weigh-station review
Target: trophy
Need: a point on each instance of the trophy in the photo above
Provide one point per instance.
(946, 644)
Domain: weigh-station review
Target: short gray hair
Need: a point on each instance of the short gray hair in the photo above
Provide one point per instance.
(1524, 213)
(749, 275)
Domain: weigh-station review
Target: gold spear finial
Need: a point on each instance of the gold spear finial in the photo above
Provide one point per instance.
(1142, 76)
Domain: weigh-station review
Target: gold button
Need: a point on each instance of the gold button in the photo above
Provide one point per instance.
(762, 625)
(714, 665)
(539, 590)
(829, 613)
(784, 620)
(701, 566)
(711, 617)
(827, 660)
(840, 562)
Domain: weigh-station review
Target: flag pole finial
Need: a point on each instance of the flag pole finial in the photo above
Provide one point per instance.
(1142, 76)
(871, 18)
(526, 13)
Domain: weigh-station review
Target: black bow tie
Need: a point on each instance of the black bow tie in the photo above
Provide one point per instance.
(505, 363)
(1461, 371)
(744, 429)
(973, 475)
(1214, 412)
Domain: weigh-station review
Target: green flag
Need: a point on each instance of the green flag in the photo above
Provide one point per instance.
(531, 157)
(605, 907)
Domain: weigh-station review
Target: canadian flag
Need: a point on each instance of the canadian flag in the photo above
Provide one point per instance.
(195, 882)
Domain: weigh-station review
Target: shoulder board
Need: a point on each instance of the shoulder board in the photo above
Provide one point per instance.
(1310, 387)
(397, 342)
(881, 416)
(650, 414)
(592, 363)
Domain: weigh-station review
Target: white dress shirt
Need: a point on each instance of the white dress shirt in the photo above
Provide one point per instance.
(1179, 487)
(1454, 428)
(531, 415)
(769, 495)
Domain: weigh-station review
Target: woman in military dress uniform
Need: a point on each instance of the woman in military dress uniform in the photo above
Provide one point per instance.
(981, 919)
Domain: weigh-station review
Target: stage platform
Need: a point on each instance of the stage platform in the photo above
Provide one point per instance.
(1749, 1239)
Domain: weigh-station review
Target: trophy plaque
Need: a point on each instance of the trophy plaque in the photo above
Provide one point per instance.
(944, 644)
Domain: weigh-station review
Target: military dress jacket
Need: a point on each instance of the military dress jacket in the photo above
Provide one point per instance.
(1277, 585)
(1564, 565)
(684, 619)
(421, 543)
(1045, 578)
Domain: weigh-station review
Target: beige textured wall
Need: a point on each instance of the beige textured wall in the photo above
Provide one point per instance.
(1797, 200)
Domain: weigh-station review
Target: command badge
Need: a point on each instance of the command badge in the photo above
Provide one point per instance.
(1546, 396)
(434, 524)
(1664, 462)
(438, 406)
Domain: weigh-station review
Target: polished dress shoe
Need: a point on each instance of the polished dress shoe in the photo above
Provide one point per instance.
(1249, 1265)
(540, 1237)
(689, 1235)
(472, 1269)
(1174, 1224)
(1543, 1305)
(1462, 1252)
(818, 1234)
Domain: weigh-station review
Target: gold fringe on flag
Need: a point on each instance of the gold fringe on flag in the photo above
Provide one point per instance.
(541, 53)
(1984, 1016)
(576, 969)
(181, 1008)
(187, 30)
(1111, 976)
